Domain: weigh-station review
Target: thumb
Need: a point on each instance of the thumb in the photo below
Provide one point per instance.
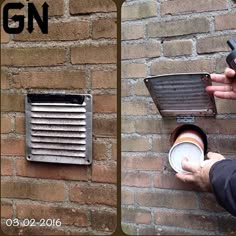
(215, 156)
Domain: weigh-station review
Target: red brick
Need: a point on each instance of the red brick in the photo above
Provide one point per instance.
(138, 216)
(141, 163)
(62, 31)
(178, 27)
(190, 66)
(93, 195)
(161, 144)
(12, 102)
(103, 220)
(49, 171)
(139, 10)
(67, 215)
(140, 50)
(6, 209)
(5, 79)
(91, 6)
(127, 126)
(13, 147)
(126, 89)
(139, 89)
(104, 173)
(105, 127)
(127, 197)
(209, 203)
(105, 103)
(132, 31)
(185, 220)
(6, 124)
(42, 191)
(63, 79)
(6, 166)
(100, 151)
(104, 79)
(136, 179)
(225, 22)
(169, 181)
(94, 54)
(33, 56)
(185, 6)
(177, 200)
(36, 230)
(222, 144)
(114, 151)
(20, 124)
(104, 28)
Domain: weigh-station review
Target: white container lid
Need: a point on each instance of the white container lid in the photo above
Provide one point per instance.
(185, 149)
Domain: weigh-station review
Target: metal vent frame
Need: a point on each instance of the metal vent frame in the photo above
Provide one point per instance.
(59, 128)
(182, 94)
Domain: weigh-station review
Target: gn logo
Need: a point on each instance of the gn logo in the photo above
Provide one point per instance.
(20, 19)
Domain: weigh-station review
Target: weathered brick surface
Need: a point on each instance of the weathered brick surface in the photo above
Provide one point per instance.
(212, 44)
(104, 173)
(178, 27)
(190, 37)
(103, 220)
(189, 66)
(177, 48)
(77, 56)
(132, 31)
(91, 6)
(53, 192)
(184, 7)
(49, 171)
(6, 209)
(6, 166)
(144, 50)
(12, 147)
(32, 56)
(225, 22)
(6, 124)
(70, 79)
(139, 11)
(94, 54)
(104, 79)
(92, 195)
(62, 31)
(67, 215)
(104, 28)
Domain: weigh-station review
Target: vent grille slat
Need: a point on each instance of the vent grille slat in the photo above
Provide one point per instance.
(182, 94)
(59, 128)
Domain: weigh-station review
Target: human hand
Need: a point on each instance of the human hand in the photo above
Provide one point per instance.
(227, 91)
(199, 172)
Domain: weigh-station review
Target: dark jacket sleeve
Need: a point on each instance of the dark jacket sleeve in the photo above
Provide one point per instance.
(223, 181)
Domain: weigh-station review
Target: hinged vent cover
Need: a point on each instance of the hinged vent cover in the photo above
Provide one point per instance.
(182, 94)
(59, 128)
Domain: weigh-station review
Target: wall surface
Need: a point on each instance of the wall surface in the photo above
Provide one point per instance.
(78, 55)
(161, 37)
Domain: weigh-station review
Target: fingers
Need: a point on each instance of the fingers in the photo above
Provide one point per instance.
(225, 95)
(188, 178)
(230, 73)
(215, 156)
(225, 88)
(189, 166)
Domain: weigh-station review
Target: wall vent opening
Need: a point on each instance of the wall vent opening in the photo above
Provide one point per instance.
(59, 128)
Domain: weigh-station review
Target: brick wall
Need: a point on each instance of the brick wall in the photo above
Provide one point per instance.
(161, 37)
(78, 55)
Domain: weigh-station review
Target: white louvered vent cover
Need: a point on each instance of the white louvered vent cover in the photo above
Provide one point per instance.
(59, 128)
